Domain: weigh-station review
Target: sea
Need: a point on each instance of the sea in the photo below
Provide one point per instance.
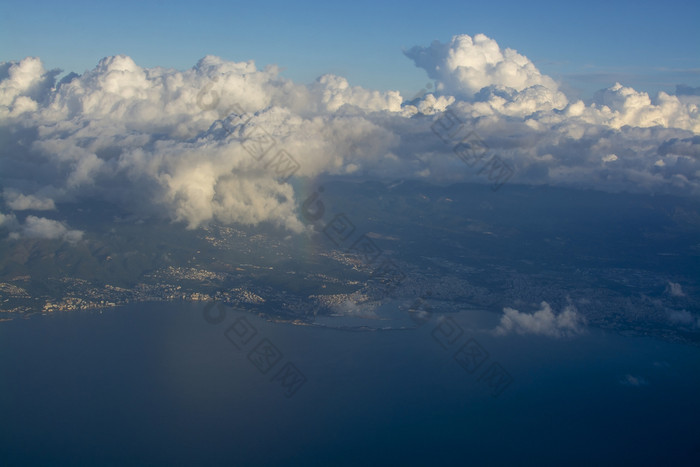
(184, 384)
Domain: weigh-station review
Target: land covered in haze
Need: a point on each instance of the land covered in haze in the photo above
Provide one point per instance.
(621, 261)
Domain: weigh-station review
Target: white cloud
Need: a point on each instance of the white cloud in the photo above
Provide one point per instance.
(19, 202)
(178, 143)
(334, 92)
(40, 227)
(618, 106)
(8, 221)
(675, 289)
(634, 381)
(542, 322)
(684, 318)
(465, 65)
(24, 87)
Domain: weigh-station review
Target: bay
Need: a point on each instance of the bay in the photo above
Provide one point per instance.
(159, 384)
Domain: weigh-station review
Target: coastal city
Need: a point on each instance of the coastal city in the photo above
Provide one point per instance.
(446, 294)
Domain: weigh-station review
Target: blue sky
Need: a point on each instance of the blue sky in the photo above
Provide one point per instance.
(587, 45)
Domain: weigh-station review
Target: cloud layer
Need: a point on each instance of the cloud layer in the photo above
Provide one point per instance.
(221, 140)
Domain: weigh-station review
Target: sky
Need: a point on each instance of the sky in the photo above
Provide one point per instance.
(225, 112)
(586, 46)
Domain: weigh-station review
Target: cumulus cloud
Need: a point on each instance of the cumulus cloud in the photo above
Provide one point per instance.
(618, 106)
(684, 318)
(223, 140)
(333, 92)
(23, 86)
(542, 322)
(431, 105)
(19, 202)
(674, 289)
(41, 227)
(466, 65)
(634, 381)
(8, 221)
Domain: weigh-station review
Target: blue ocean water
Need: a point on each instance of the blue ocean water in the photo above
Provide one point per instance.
(159, 384)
